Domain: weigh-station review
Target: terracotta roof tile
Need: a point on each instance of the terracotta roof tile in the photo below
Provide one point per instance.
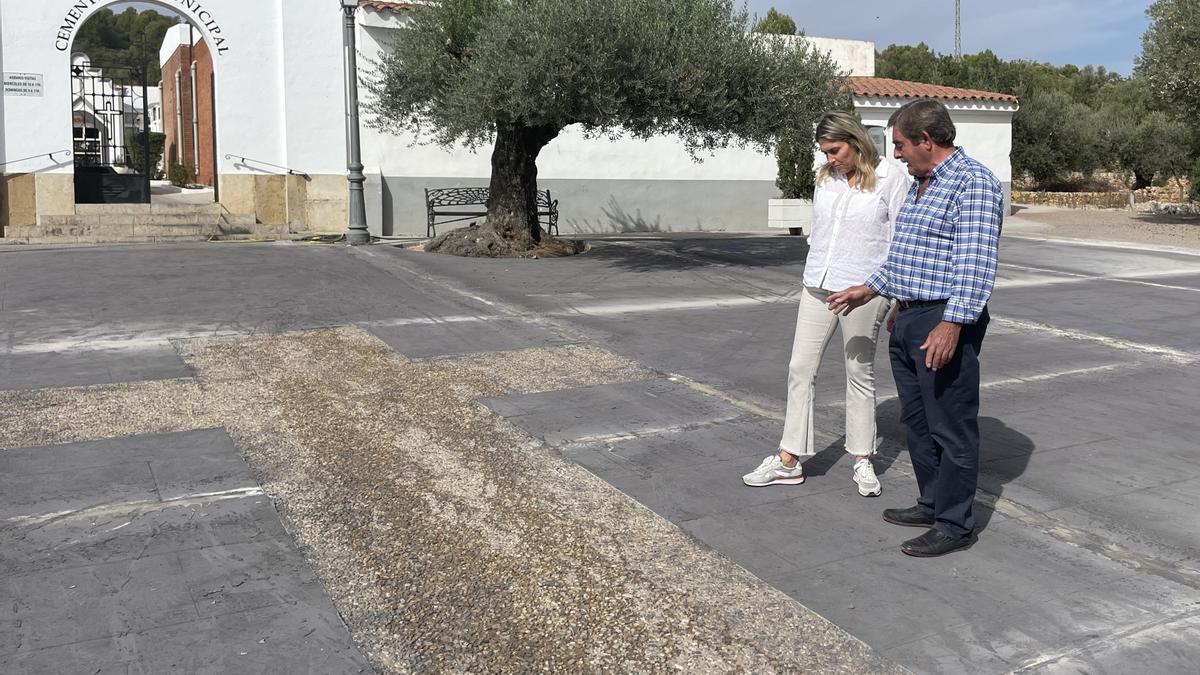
(385, 6)
(888, 88)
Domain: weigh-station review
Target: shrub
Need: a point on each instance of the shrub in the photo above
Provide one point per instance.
(181, 175)
(794, 153)
(137, 160)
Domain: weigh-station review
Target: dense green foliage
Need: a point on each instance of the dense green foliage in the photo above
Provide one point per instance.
(517, 72)
(1170, 60)
(649, 67)
(126, 38)
(793, 148)
(794, 155)
(1070, 119)
(775, 23)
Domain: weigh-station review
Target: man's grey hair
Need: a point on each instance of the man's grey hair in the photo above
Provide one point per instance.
(925, 116)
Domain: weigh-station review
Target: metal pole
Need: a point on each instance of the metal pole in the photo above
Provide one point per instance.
(212, 99)
(146, 132)
(356, 233)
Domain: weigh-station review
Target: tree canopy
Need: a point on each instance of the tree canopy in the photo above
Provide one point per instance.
(1071, 119)
(776, 23)
(517, 72)
(1170, 59)
(130, 37)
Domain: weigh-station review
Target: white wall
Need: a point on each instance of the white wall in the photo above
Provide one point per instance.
(856, 57)
(276, 104)
(984, 130)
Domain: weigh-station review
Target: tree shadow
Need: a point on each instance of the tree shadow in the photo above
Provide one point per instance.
(678, 252)
(1004, 455)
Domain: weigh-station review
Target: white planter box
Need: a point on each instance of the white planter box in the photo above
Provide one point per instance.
(794, 215)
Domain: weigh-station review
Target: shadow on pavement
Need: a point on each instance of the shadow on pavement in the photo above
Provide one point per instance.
(698, 252)
(997, 440)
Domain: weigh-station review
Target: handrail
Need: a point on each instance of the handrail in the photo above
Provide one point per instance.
(41, 154)
(291, 172)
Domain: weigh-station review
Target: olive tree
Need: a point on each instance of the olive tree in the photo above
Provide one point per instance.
(515, 73)
(1170, 59)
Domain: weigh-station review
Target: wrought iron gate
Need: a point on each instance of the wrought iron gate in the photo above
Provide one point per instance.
(110, 121)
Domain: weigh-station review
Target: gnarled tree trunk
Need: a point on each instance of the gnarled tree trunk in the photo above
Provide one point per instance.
(512, 199)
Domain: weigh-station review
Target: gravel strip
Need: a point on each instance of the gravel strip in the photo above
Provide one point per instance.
(448, 539)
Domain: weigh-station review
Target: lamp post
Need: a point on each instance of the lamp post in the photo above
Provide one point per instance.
(357, 232)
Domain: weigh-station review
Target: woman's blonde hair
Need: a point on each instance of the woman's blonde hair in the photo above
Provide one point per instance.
(843, 127)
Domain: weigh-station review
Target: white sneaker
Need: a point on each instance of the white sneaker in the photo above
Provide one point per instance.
(773, 472)
(864, 475)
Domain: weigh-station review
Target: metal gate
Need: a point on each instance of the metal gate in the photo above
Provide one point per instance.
(110, 121)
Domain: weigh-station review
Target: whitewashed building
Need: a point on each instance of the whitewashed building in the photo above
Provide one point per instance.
(278, 106)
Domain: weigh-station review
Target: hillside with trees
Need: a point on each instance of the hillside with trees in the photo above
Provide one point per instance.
(1076, 121)
(128, 38)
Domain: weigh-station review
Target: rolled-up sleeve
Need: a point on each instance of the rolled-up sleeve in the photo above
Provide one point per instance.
(975, 248)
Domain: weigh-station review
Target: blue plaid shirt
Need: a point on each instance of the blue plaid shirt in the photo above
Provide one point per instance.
(945, 244)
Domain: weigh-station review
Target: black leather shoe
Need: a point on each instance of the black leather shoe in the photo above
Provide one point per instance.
(933, 543)
(911, 517)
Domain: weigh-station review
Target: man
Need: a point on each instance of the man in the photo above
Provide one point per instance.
(940, 268)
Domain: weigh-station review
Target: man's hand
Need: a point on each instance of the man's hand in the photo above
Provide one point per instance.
(941, 344)
(842, 302)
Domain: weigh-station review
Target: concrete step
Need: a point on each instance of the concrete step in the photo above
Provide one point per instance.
(145, 209)
(142, 227)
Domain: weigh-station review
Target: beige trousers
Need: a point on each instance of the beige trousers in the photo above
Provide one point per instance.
(814, 330)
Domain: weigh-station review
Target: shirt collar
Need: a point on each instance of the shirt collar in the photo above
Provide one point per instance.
(947, 165)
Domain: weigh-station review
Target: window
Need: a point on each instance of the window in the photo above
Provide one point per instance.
(879, 138)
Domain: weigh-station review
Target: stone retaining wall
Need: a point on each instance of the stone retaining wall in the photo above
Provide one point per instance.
(1143, 199)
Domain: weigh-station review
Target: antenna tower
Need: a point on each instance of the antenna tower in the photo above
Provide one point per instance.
(957, 30)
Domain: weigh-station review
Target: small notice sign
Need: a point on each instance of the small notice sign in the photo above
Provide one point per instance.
(22, 84)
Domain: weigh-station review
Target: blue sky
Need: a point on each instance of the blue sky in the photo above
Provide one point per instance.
(1083, 32)
(1097, 32)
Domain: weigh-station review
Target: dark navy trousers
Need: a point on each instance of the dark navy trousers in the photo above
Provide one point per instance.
(940, 410)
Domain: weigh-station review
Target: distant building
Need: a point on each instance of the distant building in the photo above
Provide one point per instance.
(187, 102)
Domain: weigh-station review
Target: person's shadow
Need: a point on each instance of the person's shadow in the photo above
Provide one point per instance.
(1003, 456)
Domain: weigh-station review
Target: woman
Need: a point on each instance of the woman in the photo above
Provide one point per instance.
(857, 197)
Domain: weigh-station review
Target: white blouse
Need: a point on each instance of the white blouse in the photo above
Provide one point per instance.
(851, 229)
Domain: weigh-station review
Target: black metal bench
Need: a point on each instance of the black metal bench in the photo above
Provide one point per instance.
(449, 205)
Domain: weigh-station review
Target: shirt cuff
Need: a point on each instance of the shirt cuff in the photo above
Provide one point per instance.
(877, 282)
(959, 312)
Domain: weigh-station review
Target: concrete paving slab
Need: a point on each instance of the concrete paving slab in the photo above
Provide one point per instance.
(1149, 520)
(805, 532)
(738, 440)
(53, 607)
(1086, 472)
(81, 368)
(442, 338)
(29, 498)
(1155, 649)
(270, 640)
(134, 544)
(67, 543)
(1004, 605)
(564, 417)
(240, 577)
